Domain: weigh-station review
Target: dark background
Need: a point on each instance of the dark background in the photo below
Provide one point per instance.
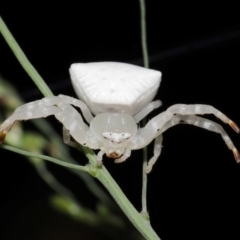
(194, 187)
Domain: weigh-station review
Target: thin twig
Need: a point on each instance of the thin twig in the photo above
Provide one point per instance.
(47, 158)
(146, 65)
(144, 33)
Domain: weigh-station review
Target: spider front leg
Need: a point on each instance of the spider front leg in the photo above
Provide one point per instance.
(212, 126)
(205, 124)
(64, 112)
(37, 109)
(201, 109)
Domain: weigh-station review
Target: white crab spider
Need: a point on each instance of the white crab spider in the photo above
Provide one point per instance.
(119, 95)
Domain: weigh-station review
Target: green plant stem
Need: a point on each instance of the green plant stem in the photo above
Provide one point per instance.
(43, 157)
(146, 65)
(19, 54)
(144, 33)
(144, 184)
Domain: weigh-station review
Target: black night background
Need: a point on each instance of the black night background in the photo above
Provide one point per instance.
(193, 190)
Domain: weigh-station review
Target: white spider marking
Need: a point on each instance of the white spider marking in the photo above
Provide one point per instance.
(119, 95)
